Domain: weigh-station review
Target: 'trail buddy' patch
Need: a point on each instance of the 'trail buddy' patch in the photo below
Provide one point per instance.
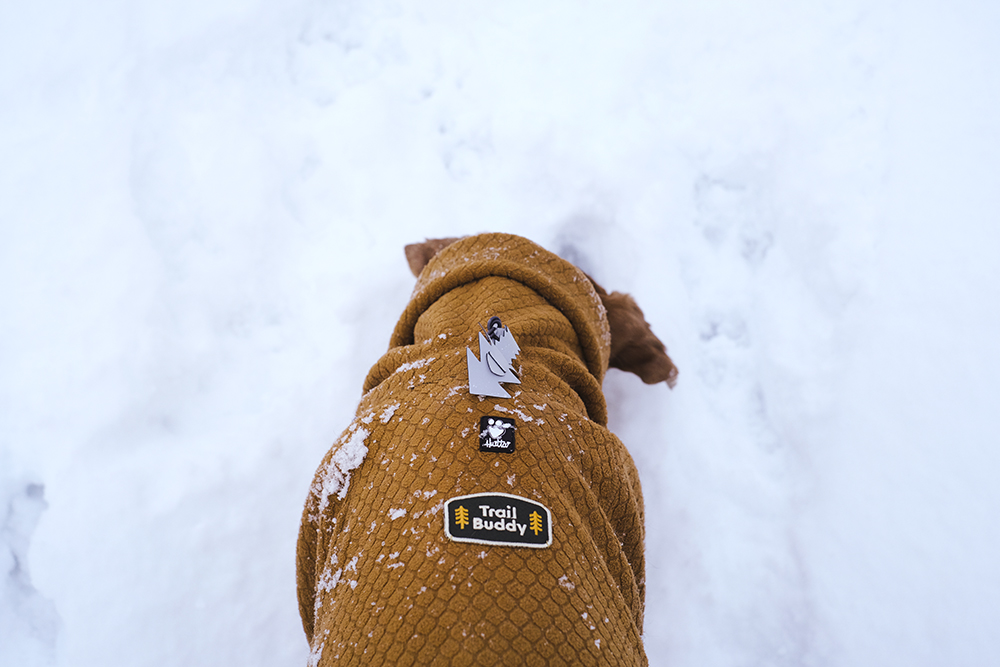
(498, 518)
(496, 434)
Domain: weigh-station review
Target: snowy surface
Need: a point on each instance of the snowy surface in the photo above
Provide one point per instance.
(202, 211)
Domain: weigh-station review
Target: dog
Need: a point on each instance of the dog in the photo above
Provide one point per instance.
(477, 510)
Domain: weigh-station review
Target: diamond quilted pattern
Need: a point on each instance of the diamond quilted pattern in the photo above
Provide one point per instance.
(379, 581)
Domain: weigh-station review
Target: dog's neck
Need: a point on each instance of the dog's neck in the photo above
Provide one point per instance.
(533, 321)
(546, 337)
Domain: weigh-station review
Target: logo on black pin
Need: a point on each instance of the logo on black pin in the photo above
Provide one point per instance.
(496, 434)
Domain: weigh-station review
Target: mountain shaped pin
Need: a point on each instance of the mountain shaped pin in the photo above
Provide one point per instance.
(496, 352)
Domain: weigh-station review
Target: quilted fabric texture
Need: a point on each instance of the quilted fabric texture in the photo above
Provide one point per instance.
(379, 582)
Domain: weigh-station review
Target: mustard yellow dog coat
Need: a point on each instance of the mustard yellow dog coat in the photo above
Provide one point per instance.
(384, 577)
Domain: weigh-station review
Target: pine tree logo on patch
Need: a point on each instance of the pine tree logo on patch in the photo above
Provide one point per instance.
(498, 518)
(496, 434)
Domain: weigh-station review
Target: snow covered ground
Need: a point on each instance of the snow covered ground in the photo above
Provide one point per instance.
(202, 211)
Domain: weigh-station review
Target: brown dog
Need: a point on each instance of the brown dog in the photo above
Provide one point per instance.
(456, 523)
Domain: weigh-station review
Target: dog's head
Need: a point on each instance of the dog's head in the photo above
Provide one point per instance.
(634, 346)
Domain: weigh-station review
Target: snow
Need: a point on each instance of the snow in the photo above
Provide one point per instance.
(387, 414)
(202, 212)
(419, 363)
(335, 477)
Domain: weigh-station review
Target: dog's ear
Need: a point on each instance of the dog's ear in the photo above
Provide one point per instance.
(418, 254)
(634, 346)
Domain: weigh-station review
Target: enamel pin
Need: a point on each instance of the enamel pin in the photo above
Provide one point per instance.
(497, 350)
(496, 434)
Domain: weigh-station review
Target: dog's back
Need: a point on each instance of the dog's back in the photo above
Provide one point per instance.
(382, 576)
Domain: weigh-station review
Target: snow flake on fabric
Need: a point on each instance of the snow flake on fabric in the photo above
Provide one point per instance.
(419, 363)
(388, 413)
(352, 566)
(315, 654)
(336, 475)
(525, 417)
(328, 581)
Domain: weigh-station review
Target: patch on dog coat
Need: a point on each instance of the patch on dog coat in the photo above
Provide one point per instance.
(498, 519)
(496, 434)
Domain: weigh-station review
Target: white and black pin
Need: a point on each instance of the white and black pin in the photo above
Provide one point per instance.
(497, 350)
(496, 434)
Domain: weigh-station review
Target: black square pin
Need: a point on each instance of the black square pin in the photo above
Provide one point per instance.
(496, 434)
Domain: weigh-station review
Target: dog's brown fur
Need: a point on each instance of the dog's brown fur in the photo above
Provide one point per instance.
(418, 254)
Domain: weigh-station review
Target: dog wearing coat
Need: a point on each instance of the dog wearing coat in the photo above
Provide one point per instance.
(455, 525)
